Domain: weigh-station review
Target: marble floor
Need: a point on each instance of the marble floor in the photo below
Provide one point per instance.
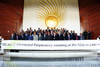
(54, 62)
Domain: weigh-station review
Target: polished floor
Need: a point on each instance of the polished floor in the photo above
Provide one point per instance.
(54, 62)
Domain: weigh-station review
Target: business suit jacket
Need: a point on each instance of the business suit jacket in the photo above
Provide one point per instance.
(49, 37)
(61, 37)
(80, 38)
(25, 36)
(67, 37)
(73, 36)
(40, 37)
(56, 37)
(30, 37)
(45, 37)
(11, 38)
(85, 35)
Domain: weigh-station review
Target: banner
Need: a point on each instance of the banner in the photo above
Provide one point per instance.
(51, 45)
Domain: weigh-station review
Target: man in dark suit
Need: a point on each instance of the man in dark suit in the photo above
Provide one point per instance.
(55, 36)
(39, 30)
(49, 36)
(89, 35)
(67, 36)
(30, 37)
(74, 35)
(26, 36)
(21, 36)
(45, 36)
(40, 37)
(14, 35)
(85, 35)
(71, 35)
(52, 33)
(48, 29)
(60, 36)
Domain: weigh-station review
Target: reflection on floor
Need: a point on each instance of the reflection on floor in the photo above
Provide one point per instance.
(48, 59)
(58, 62)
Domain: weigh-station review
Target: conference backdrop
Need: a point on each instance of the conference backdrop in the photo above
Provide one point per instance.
(51, 13)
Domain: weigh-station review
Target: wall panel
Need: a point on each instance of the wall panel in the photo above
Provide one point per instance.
(9, 9)
(90, 16)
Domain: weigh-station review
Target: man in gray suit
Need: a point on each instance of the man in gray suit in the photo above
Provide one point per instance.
(40, 37)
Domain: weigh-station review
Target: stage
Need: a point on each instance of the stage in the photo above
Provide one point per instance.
(86, 49)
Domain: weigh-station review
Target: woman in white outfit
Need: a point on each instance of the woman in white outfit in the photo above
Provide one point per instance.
(35, 36)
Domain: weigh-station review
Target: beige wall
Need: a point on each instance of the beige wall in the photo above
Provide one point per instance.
(68, 14)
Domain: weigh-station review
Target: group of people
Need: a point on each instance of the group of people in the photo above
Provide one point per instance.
(49, 34)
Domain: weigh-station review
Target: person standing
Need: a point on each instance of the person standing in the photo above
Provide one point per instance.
(35, 36)
(89, 35)
(40, 36)
(30, 37)
(49, 36)
(12, 37)
(26, 36)
(67, 36)
(85, 35)
(1, 38)
(17, 37)
(21, 36)
(98, 38)
(81, 37)
(60, 36)
(76, 36)
(55, 36)
(45, 36)
(73, 36)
